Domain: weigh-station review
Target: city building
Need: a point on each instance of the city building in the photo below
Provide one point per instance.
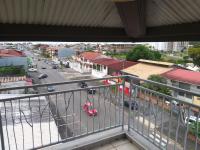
(184, 79)
(170, 46)
(145, 68)
(83, 62)
(13, 57)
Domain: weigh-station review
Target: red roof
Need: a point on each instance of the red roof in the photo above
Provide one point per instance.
(182, 75)
(11, 53)
(122, 65)
(90, 55)
(105, 61)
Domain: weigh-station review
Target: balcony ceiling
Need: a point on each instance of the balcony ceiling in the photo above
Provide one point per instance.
(99, 20)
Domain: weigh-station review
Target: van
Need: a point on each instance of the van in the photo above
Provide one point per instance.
(191, 120)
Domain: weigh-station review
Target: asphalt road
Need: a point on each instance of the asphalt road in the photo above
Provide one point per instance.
(74, 121)
(67, 107)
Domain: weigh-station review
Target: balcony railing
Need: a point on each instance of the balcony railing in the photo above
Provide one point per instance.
(30, 121)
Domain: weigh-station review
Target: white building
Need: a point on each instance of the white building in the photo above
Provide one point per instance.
(169, 46)
(83, 63)
(187, 80)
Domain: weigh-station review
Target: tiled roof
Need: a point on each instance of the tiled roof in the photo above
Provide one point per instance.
(11, 53)
(90, 55)
(144, 70)
(183, 75)
(122, 65)
(105, 61)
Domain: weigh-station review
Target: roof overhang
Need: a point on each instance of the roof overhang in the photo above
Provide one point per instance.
(100, 20)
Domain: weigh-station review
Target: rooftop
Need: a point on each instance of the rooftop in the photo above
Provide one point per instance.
(161, 63)
(150, 69)
(90, 55)
(105, 61)
(122, 65)
(183, 75)
(11, 53)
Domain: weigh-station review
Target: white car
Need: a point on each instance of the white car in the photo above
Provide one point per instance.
(32, 70)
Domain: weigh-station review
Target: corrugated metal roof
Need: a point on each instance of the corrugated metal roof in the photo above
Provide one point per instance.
(183, 75)
(94, 13)
(168, 12)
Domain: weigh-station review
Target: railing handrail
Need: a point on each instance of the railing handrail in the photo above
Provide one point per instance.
(162, 84)
(167, 96)
(56, 92)
(58, 83)
(99, 79)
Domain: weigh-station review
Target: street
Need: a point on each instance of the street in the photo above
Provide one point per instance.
(72, 120)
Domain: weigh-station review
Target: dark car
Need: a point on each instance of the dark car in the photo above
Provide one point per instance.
(91, 91)
(134, 105)
(82, 84)
(54, 67)
(42, 76)
(43, 67)
(50, 88)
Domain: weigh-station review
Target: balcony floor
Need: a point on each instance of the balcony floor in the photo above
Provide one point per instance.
(121, 144)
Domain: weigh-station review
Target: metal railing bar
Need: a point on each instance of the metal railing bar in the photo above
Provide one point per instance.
(1, 134)
(197, 131)
(161, 132)
(53, 93)
(186, 133)
(99, 109)
(59, 83)
(49, 119)
(170, 98)
(21, 122)
(80, 100)
(31, 121)
(40, 121)
(13, 123)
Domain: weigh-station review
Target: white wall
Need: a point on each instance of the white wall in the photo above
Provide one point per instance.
(100, 74)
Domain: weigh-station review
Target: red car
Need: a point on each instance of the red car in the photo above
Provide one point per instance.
(88, 107)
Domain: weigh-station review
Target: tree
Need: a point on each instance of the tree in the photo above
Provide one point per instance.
(142, 52)
(155, 87)
(194, 128)
(194, 53)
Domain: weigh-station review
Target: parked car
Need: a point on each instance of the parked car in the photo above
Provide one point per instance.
(89, 109)
(54, 67)
(82, 84)
(134, 105)
(32, 69)
(50, 88)
(42, 76)
(192, 119)
(43, 67)
(91, 91)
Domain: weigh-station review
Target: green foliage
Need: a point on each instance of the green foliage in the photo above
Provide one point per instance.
(157, 55)
(193, 128)
(158, 88)
(142, 52)
(117, 55)
(194, 53)
(12, 70)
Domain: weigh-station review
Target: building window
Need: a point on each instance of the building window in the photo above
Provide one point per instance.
(94, 66)
(184, 86)
(198, 87)
(104, 67)
(98, 67)
(174, 83)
